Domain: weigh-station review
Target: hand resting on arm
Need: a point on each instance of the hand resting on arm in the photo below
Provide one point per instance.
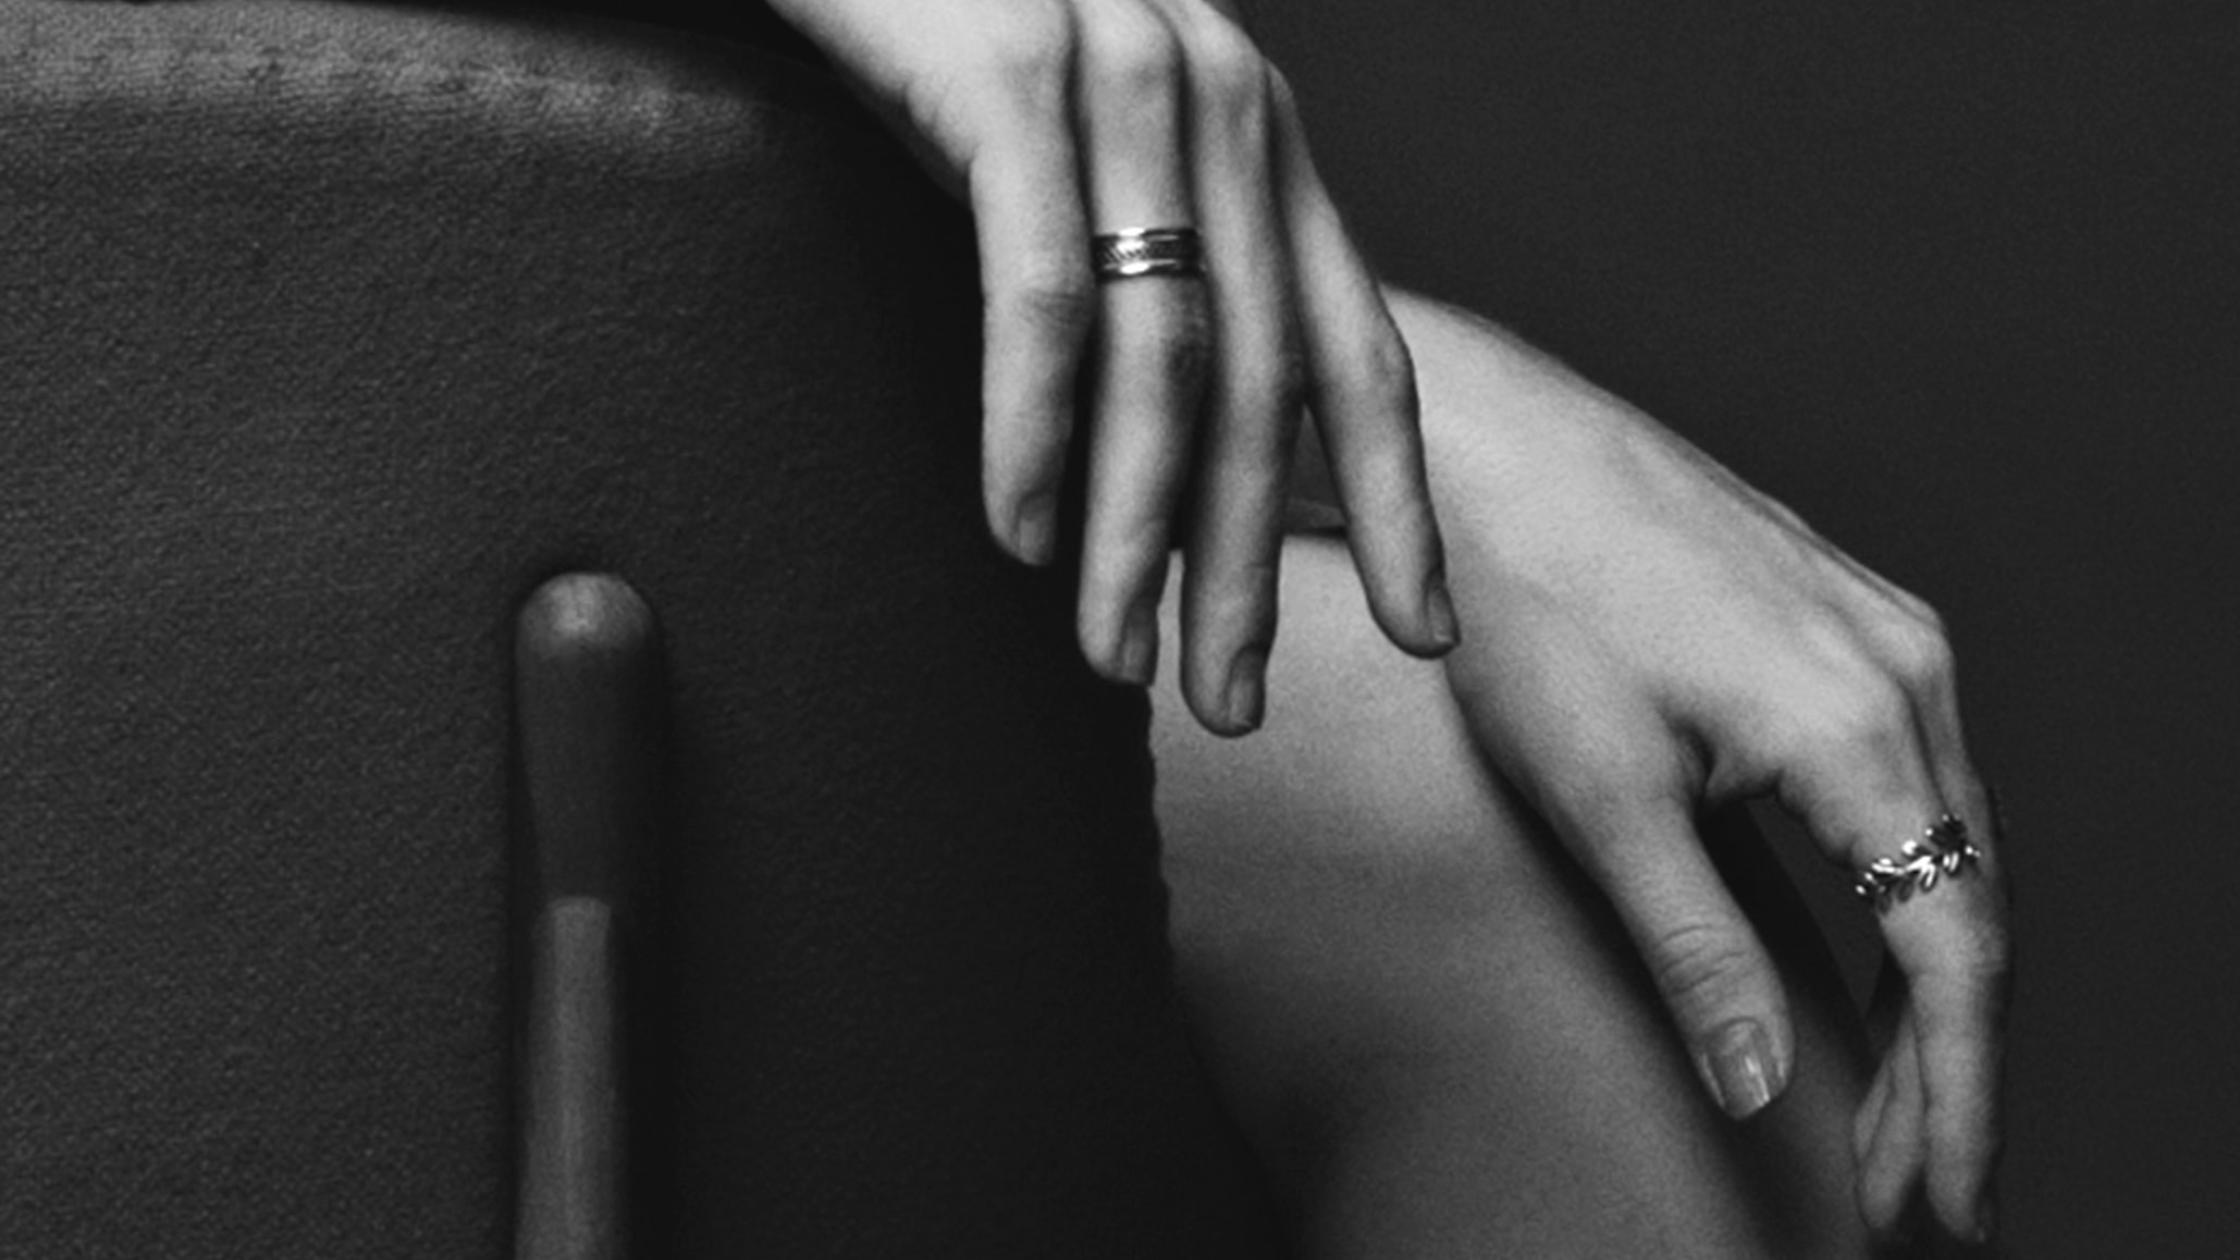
(1648, 638)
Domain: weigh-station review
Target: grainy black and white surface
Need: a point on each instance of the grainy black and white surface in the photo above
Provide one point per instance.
(326, 334)
(1955, 280)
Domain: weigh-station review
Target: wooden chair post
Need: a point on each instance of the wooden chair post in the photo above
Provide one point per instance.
(586, 674)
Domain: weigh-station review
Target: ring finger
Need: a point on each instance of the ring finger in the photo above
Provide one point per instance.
(1154, 341)
(1871, 804)
(1254, 397)
(1963, 1002)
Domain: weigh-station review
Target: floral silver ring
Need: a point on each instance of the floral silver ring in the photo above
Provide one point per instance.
(1942, 852)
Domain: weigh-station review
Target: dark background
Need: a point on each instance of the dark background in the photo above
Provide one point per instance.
(1958, 282)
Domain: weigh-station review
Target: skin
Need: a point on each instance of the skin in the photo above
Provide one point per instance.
(1437, 1035)
(1058, 119)
(1648, 638)
(1644, 636)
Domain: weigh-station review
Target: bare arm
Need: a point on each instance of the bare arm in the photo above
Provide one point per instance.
(1646, 636)
(1429, 1023)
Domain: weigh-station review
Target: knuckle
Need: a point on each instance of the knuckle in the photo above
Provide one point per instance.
(1030, 54)
(1222, 49)
(1282, 98)
(1388, 374)
(1921, 654)
(1700, 965)
(1919, 609)
(1916, 642)
(1048, 300)
(1865, 709)
(1860, 723)
(1230, 75)
(1873, 710)
(1127, 49)
(1608, 802)
(1237, 603)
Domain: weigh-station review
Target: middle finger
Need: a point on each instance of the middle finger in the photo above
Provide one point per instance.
(1252, 421)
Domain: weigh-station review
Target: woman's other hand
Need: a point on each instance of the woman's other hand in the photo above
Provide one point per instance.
(1649, 636)
(1058, 120)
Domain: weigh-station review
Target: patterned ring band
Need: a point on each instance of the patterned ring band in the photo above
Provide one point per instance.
(1147, 252)
(1943, 850)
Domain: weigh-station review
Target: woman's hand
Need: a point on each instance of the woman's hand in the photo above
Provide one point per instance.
(1649, 636)
(1061, 119)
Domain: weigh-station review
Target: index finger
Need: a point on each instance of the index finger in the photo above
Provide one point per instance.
(1361, 388)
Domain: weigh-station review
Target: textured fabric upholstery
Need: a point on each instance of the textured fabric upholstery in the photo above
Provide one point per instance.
(325, 334)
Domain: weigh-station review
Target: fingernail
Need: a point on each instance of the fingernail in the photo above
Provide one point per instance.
(1139, 644)
(1438, 612)
(1034, 531)
(1737, 1062)
(1247, 689)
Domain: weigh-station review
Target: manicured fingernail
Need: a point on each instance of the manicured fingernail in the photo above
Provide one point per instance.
(1034, 531)
(1247, 691)
(1737, 1062)
(1438, 613)
(1139, 644)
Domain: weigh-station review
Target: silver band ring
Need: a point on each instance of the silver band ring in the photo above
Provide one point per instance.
(1132, 252)
(1942, 851)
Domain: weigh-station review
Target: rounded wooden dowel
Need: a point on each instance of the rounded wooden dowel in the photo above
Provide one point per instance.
(586, 691)
(587, 669)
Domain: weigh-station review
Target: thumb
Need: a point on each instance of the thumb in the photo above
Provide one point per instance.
(1708, 964)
